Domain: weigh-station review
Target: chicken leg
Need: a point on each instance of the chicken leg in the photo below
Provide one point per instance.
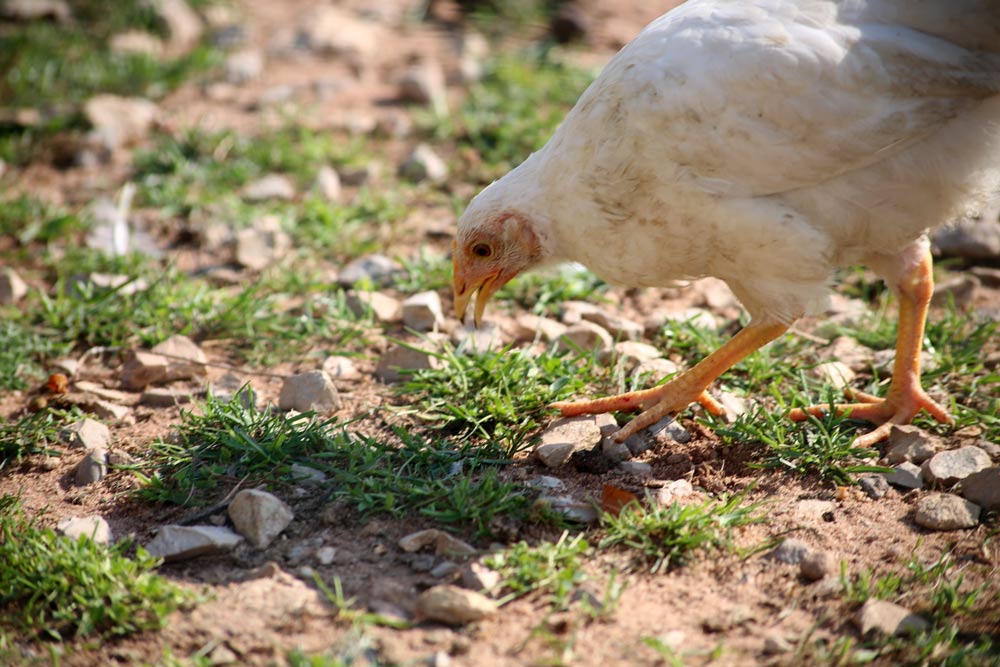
(914, 285)
(688, 387)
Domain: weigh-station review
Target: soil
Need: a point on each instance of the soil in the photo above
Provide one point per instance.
(719, 609)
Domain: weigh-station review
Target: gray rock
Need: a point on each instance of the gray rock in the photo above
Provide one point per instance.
(911, 443)
(619, 327)
(185, 360)
(424, 164)
(12, 287)
(988, 276)
(386, 309)
(817, 565)
(272, 186)
(444, 569)
(951, 466)
(94, 527)
(585, 337)
(142, 369)
(876, 486)
(478, 577)
(906, 475)
(87, 434)
(776, 645)
(174, 543)
(422, 312)
(109, 411)
(259, 516)
(306, 475)
(670, 429)
(655, 369)
(453, 605)
(888, 618)
(631, 353)
(672, 491)
(790, 551)
(262, 245)
(327, 184)
(243, 66)
(547, 483)
(531, 327)
(969, 238)
(960, 290)
(613, 450)
(397, 359)
(835, 373)
(564, 437)
(990, 448)
(983, 488)
(120, 120)
(373, 269)
(424, 83)
(573, 311)
(161, 397)
(636, 468)
(944, 511)
(309, 391)
(326, 555)
(849, 351)
(341, 368)
(444, 544)
(334, 31)
(570, 508)
(92, 468)
(483, 338)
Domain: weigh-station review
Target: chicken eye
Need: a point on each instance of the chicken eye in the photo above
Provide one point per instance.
(482, 250)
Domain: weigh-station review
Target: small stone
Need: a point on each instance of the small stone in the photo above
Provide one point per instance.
(424, 83)
(120, 120)
(262, 245)
(100, 391)
(118, 458)
(906, 475)
(372, 269)
(384, 308)
(444, 544)
(341, 368)
(671, 430)
(185, 360)
(94, 527)
(619, 327)
(983, 488)
(639, 468)
(848, 351)
(326, 555)
(614, 451)
(570, 508)
(161, 397)
(174, 543)
(948, 467)
(243, 66)
(573, 311)
(835, 373)
(911, 443)
(443, 569)
(422, 312)
(564, 437)
(529, 327)
(478, 577)
(332, 30)
(67, 366)
(944, 511)
(734, 405)
(972, 238)
(306, 475)
(484, 338)
(991, 448)
(327, 184)
(424, 164)
(12, 287)
(183, 23)
(259, 516)
(92, 468)
(632, 353)
(312, 391)
(87, 434)
(547, 483)
(397, 360)
(656, 369)
(272, 186)
(960, 290)
(453, 605)
(673, 491)
(585, 337)
(888, 618)
(136, 43)
(817, 564)
(776, 645)
(790, 551)
(109, 411)
(876, 486)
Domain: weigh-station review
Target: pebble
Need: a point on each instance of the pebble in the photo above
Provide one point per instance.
(835, 373)
(529, 327)
(656, 369)
(951, 466)
(423, 164)
(632, 353)
(960, 290)
(183, 542)
(262, 245)
(244, 66)
(92, 468)
(341, 368)
(906, 475)
(326, 555)
(306, 475)
(453, 605)
(477, 576)
(485, 337)
(308, 392)
(671, 429)
(185, 360)
(850, 352)
(87, 434)
(183, 24)
(373, 269)
(570, 508)
(565, 436)
(120, 120)
(983, 488)
(12, 287)
(334, 31)
(776, 645)
(876, 486)
(673, 491)
(424, 83)
(136, 43)
(584, 337)
(911, 443)
(547, 483)
(422, 311)
(639, 468)
(272, 186)
(888, 618)
(444, 543)
(944, 511)
(817, 565)
(991, 448)
(327, 184)
(790, 551)
(970, 238)
(94, 527)
(619, 327)
(259, 516)
(400, 358)
(386, 309)
(444, 569)
(161, 397)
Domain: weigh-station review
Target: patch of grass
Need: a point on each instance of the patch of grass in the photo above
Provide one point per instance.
(56, 588)
(33, 433)
(22, 353)
(553, 568)
(667, 536)
(512, 110)
(31, 220)
(227, 442)
(347, 231)
(544, 293)
(498, 396)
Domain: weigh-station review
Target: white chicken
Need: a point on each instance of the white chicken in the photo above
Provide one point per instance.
(764, 142)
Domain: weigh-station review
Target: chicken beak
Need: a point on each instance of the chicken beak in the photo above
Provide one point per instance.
(464, 289)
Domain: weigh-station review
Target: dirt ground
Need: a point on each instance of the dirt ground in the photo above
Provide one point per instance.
(725, 609)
